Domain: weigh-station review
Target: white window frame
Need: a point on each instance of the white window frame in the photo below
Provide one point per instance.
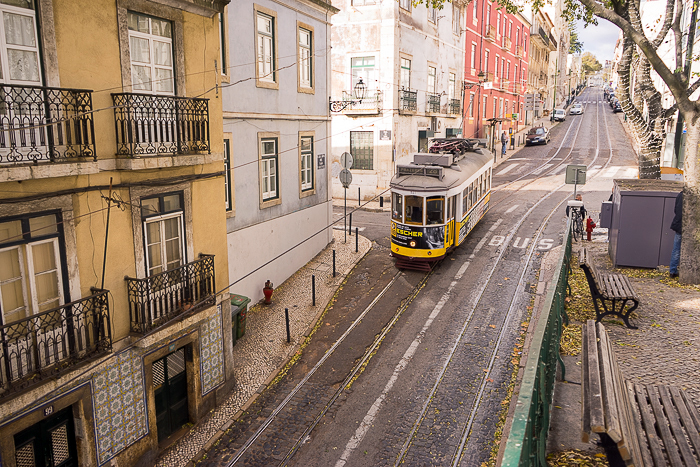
(161, 221)
(432, 80)
(363, 71)
(4, 46)
(405, 73)
(151, 38)
(307, 175)
(471, 105)
(269, 169)
(473, 58)
(498, 59)
(305, 58)
(405, 4)
(432, 13)
(227, 175)
(452, 85)
(266, 64)
(456, 19)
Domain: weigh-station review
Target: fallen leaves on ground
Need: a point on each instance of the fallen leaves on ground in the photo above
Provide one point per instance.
(575, 457)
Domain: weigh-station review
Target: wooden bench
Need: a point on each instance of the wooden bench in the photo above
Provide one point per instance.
(651, 425)
(613, 289)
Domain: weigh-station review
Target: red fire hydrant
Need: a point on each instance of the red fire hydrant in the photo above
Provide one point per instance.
(590, 225)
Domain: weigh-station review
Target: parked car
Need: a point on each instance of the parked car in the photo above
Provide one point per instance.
(559, 115)
(617, 107)
(576, 109)
(537, 135)
(612, 102)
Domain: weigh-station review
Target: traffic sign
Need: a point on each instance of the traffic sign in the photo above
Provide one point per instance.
(575, 174)
(345, 177)
(514, 116)
(346, 160)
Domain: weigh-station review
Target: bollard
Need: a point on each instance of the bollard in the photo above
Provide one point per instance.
(286, 319)
(359, 199)
(313, 290)
(381, 201)
(357, 241)
(333, 263)
(350, 224)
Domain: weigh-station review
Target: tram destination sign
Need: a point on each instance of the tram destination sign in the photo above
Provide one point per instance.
(436, 172)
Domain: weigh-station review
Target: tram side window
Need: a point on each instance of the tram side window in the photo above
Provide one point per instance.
(414, 210)
(471, 195)
(489, 182)
(397, 207)
(465, 201)
(434, 209)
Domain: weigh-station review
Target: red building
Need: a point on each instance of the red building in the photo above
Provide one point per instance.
(495, 70)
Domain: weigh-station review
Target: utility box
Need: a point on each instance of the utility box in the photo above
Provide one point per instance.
(239, 313)
(605, 221)
(640, 234)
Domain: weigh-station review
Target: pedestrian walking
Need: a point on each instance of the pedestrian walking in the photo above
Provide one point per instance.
(504, 143)
(676, 226)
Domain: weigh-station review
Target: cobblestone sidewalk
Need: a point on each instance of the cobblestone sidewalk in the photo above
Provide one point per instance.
(264, 351)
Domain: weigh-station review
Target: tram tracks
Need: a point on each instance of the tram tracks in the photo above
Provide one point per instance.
(362, 362)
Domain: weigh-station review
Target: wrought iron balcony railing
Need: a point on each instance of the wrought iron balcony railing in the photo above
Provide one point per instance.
(455, 106)
(519, 51)
(491, 33)
(349, 104)
(49, 343)
(150, 125)
(432, 104)
(41, 124)
(504, 85)
(157, 299)
(408, 100)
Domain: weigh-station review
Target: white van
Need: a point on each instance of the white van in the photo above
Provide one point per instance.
(559, 115)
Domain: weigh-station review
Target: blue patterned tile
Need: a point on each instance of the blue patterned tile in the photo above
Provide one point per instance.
(211, 352)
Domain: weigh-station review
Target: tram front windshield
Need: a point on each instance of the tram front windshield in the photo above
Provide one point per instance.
(435, 210)
(414, 210)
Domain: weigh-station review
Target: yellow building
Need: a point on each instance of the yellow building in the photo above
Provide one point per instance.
(116, 323)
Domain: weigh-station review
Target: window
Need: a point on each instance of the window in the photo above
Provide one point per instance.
(434, 209)
(508, 70)
(363, 2)
(476, 9)
(163, 232)
(451, 86)
(498, 25)
(19, 44)
(498, 58)
(414, 210)
(268, 168)
(151, 49)
(305, 58)
(405, 74)
(266, 48)
(432, 13)
(362, 149)
(510, 29)
(486, 61)
(473, 58)
(306, 151)
(227, 176)
(362, 67)
(503, 69)
(485, 102)
(31, 265)
(471, 105)
(495, 107)
(223, 57)
(405, 4)
(397, 207)
(432, 79)
(456, 19)
(488, 14)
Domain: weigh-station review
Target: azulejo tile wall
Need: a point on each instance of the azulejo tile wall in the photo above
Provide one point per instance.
(211, 352)
(120, 407)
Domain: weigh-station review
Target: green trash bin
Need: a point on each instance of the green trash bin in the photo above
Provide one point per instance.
(239, 312)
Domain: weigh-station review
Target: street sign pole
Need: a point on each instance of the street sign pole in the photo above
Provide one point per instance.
(346, 179)
(345, 216)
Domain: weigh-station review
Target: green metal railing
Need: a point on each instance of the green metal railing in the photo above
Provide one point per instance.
(527, 441)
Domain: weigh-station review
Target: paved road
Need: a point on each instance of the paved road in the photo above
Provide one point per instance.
(434, 386)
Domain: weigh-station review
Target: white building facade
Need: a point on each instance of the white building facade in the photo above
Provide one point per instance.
(276, 129)
(410, 61)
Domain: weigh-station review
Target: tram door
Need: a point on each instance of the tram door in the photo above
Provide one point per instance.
(450, 219)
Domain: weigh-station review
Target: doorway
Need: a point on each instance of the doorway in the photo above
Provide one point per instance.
(49, 443)
(170, 393)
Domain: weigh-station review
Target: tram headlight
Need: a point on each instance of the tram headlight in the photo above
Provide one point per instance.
(413, 243)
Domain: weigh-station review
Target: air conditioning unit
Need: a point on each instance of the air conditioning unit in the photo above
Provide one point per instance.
(453, 132)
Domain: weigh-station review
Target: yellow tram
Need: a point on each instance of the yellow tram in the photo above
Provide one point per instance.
(437, 200)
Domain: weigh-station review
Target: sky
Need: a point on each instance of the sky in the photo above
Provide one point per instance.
(599, 40)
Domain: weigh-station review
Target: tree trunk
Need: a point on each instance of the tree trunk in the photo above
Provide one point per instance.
(689, 270)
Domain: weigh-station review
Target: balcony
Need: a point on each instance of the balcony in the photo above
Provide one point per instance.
(157, 299)
(519, 51)
(538, 34)
(432, 103)
(40, 124)
(489, 77)
(408, 100)
(47, 344)
(148, 125)
(518, 88)
(506, 43)
(505, 85)
(455, 106)
(491, 33)
(553, 42)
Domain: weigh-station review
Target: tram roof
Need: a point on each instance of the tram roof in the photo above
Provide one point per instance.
(470, 164)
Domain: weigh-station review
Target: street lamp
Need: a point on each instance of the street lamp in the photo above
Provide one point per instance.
(359, 93)
(481, 79)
